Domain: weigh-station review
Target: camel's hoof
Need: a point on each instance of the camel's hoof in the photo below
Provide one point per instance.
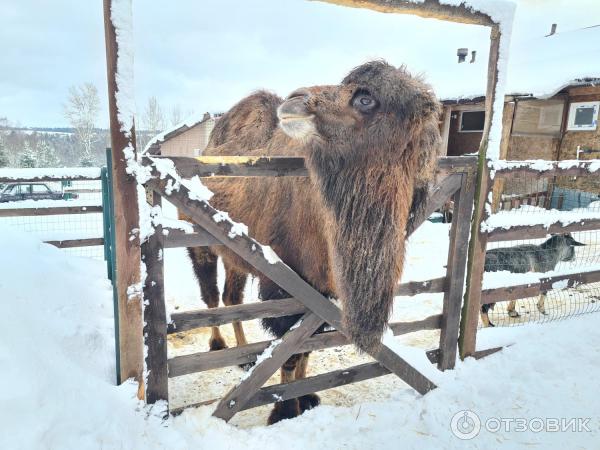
(217, 344)
(309, 401)
(490, 324)
(513, 313)
(288, 409)
(543, 311)
(247, 366)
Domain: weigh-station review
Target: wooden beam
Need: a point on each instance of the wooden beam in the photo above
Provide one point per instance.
(455, 273)
(199, 362)
(532, 290)
(73, 243)
(178, 238)
(49, 211)
(278, 166)
(431, 9)
(507, 122)
(522, 169)
(329, 380)
(155, 317)
(47, 178)
(478, 241)
(445, 131)
(519, 232)
(126, 213)
(238, 397)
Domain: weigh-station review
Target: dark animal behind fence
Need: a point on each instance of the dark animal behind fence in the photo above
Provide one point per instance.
(528, 258)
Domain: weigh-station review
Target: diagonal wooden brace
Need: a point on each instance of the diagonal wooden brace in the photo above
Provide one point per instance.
(252, 252)
(237, 397)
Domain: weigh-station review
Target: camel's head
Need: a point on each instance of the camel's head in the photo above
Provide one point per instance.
(376, 108)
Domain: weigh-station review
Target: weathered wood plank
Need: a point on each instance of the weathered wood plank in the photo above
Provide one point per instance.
(455, 272)
(540, 231)
(198, 362)
(336, 378)
(237, 397)
(188, 320)
(175, 238)
(434, 355)
(532, 290)
(49, 211)
(278, 166)
(478, 240)
(155, 317)
(73, 243)
(126, 214)
(219, 316)
(520, 169)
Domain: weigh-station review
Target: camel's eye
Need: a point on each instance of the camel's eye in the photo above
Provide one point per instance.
(363, 101)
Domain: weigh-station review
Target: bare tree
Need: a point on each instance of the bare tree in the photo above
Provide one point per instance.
(81, 110)
(153, 122)
(176, 115)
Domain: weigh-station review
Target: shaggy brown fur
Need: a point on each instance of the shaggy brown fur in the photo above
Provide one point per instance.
(368, 143)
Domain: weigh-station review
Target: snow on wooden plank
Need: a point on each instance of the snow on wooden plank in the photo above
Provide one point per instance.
(8, 175)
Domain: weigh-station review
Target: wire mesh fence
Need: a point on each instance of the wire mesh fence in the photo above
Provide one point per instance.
(530, 201)
(81, 193)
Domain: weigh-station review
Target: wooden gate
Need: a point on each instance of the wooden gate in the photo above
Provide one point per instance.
(455, 179)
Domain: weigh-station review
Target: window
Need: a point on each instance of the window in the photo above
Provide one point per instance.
(538, 118)
(583, 116)
(39, 189)
(472, 121)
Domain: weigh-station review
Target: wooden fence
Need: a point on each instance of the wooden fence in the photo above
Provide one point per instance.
(477, 296)
(455, 179)
(8, 176)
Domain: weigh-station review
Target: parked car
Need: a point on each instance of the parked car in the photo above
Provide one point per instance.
(31, 191)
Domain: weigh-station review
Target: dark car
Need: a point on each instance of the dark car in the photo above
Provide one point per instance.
(31, 191)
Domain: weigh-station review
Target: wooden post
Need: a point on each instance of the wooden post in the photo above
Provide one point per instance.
(455, 273)
(126, 215)
(507, 123)
(155, 330)
(478, 242)
(445, 129)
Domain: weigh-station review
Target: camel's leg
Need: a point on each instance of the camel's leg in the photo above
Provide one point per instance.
(511, 309)
(308, 401)
(541, 304)
(205, 267)
(286, 409)
(233, 294)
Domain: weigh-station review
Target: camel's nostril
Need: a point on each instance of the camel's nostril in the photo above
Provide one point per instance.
(299, 93)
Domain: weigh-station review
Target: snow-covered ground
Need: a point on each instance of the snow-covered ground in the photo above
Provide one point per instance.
(57, 392)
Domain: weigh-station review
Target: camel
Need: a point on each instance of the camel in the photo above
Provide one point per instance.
(370, 145)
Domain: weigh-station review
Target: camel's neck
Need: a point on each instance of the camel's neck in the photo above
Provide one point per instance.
(368, 209)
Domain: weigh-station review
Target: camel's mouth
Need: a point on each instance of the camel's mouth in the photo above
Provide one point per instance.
(296, 126)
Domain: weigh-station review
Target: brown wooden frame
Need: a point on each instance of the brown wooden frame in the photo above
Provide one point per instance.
(456, 179)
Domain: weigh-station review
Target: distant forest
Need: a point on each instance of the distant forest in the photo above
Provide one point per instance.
(52, 147)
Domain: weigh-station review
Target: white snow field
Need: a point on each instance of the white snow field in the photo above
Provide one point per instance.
(57, 379)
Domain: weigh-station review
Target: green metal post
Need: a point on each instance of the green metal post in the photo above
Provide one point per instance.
(113, 268)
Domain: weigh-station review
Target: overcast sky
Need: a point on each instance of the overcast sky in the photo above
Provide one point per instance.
(205, 55)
